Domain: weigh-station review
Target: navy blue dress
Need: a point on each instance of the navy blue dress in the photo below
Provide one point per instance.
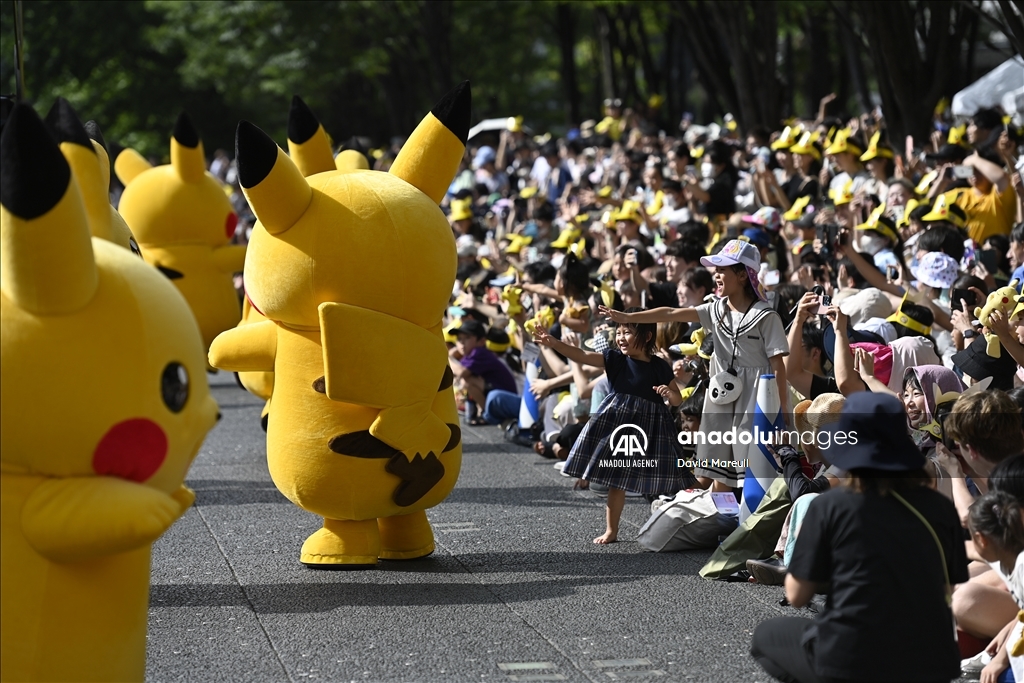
(642, 457)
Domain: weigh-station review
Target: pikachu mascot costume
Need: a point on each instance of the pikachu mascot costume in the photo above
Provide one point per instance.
(105, 403)
(310, 149)
(87, 156)
(183, 222)
(353, 269)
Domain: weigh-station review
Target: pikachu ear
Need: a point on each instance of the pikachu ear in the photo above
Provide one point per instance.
(129, 164)
(308, 145)
(187, 157)
(100, 145)
(276, 190)
(47, 265)
(431, 155)
(85, 163)
(352, 157)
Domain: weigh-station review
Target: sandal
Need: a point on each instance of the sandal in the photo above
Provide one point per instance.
(477, 422)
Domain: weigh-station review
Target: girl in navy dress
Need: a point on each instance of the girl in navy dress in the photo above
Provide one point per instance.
(640, 384)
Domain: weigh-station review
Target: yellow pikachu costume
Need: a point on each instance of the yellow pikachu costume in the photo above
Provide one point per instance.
(310, 149)
(87, 157)
(105, 404)
(183, 222)
(353, 270)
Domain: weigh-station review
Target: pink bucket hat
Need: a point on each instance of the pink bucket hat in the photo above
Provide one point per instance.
(768, 217)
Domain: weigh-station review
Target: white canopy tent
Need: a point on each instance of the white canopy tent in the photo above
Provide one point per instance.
(999, 87)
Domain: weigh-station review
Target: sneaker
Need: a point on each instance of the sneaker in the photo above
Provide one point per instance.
(599, 489)
(560, 466)
(770, 572)
(972, 667)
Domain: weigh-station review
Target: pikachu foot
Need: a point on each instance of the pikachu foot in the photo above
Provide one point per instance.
(405, 537)
(342, 544)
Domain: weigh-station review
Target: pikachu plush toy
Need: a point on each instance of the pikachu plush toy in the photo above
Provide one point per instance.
(183, 222)
(105, 404)
(353, 270)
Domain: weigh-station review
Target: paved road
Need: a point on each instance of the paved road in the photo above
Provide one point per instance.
(515, 592)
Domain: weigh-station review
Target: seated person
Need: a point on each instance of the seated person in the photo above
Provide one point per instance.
(485, 377)
(872, 543)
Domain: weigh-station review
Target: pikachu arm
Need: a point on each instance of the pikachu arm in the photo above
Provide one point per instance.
(83, 518)
(377, 360)
(249, 348)
(229, 259)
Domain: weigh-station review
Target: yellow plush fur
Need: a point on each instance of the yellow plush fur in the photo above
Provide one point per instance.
(94, 345)
(183, 221)
(353, 270)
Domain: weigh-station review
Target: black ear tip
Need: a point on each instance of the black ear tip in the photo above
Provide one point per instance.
(455, 109)
(92, 129)
(65, 124)
(184, 132)
(33, 173)
(302, 122)
(255, 154)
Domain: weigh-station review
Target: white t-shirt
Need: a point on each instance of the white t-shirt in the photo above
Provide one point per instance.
(1015, 581)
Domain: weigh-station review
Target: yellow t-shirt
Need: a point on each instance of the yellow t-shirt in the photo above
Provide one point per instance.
(987, 214)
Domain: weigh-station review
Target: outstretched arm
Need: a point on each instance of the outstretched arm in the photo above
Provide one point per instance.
(655, 315)
(573, 353)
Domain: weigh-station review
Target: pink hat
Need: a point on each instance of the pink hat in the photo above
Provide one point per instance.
(768, 217)
(738, 252)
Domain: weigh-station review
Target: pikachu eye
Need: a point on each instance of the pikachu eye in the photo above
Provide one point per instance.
(174, 387)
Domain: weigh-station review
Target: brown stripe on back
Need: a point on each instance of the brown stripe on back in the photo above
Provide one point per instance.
(448, 379)
(361, 445)
(455, 438)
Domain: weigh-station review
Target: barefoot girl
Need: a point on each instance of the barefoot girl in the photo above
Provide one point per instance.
(749, 342)
(640, 385)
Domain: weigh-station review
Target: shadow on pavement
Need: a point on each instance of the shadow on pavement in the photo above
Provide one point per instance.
(290, 598)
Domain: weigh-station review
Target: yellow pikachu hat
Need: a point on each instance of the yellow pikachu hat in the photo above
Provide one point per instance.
(877, 149)
(353, 270)
(104, 404)
(789, 137)
(183, 223)
(86, 153)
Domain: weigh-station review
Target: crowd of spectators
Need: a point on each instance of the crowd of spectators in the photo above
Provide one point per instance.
(892, 272)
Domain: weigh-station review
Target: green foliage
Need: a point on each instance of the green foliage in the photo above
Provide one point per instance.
(373, 68)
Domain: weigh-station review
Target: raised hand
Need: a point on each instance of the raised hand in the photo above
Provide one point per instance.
(613, 315)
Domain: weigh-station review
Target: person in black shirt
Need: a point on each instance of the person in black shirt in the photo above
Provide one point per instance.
(720, 198)
(890, 547)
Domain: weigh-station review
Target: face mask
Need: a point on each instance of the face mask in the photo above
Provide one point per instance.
(557, 259)
(707, 169)
(871, 244)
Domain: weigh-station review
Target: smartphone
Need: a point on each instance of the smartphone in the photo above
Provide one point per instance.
(962, 172)
(824, 302)
(990, 260)
(967, 295)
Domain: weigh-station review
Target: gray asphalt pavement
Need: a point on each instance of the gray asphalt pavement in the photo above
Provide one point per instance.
(516, 591)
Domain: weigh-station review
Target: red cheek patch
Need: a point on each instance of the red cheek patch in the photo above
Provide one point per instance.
(230, 224)
(132, 450)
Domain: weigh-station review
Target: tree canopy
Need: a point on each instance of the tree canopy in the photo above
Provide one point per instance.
(373, 68)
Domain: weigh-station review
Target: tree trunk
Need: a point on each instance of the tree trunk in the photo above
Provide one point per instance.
(604, 29)
(567, 42)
